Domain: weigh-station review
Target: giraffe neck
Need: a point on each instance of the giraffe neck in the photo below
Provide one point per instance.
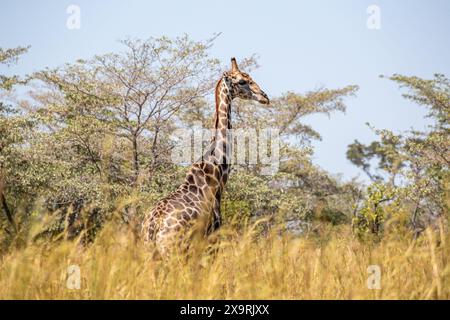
(220, 148)
(223, 105)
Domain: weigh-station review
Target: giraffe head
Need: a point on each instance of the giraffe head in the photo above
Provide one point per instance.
(243, 86)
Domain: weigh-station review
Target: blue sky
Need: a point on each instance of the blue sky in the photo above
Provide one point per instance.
(302, 45)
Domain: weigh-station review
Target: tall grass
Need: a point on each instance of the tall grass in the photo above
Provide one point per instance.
(117, 266)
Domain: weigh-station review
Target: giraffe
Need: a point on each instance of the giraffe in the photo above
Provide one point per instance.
(198, 197)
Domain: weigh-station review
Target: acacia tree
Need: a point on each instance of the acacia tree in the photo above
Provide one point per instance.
(138, 93)
(299, 191)
(13, 129)
(420, 159)
(107, 121)
(428, 153)
(386, 151)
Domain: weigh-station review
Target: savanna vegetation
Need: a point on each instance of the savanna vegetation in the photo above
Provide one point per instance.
(85, 151)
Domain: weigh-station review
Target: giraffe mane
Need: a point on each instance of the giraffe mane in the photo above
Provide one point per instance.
(216, 94)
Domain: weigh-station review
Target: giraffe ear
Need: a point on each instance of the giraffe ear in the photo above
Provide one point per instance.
(234, 66)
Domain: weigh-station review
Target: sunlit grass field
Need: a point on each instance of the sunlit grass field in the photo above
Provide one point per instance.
(236, 266)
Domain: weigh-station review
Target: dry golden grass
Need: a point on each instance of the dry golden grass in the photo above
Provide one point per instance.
(118, 267)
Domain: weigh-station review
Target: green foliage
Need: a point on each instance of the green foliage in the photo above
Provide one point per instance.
(434, 94)
(419, 160)
(9, 57)
(390, 161)
(371, 216)
(14, 131)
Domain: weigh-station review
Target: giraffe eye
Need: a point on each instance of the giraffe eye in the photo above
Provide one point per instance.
(242, 82)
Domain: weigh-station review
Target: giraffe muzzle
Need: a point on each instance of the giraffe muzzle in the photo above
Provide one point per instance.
(262, 98)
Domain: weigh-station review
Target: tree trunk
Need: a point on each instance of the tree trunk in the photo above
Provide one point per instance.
(154, 146)
(135, 158)
(5, 207)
